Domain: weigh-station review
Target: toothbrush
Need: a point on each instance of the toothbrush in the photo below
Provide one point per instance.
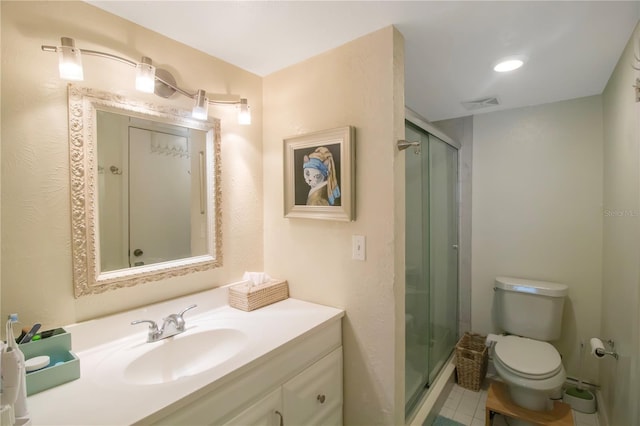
(27, 337)
(10, 366)
(14, 376)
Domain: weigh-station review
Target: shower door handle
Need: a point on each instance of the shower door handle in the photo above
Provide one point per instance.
(455, 247)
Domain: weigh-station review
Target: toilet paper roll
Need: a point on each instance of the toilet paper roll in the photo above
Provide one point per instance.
(595, 345)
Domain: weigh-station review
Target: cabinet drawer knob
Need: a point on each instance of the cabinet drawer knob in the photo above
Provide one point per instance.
(321, 398)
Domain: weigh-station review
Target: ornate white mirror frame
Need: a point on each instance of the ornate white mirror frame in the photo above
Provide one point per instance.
(85, 238)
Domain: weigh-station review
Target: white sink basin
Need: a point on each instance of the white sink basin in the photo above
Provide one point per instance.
(171, 359)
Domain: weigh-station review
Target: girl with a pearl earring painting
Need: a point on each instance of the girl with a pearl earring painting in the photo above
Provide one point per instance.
(319, 173)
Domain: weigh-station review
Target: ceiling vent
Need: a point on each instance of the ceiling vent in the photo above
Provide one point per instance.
(481, 103)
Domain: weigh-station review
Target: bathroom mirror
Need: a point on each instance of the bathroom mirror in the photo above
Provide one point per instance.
(145, 191)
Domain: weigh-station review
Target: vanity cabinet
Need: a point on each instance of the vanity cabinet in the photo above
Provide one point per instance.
(300, 385)
(289, 361)
(313, 397)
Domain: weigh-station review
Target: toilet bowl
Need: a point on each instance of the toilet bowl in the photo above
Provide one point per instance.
(530, 312)
(532, 370)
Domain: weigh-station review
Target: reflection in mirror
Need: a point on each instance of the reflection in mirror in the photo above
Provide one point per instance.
(149, 191)
(153, 173)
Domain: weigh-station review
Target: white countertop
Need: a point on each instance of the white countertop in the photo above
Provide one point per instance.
(92, 400)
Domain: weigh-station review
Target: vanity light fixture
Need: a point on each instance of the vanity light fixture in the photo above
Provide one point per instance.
(244, 113)
(509, 64)
(149, 79)
(145, 76)
(69, 60)
(201, 108)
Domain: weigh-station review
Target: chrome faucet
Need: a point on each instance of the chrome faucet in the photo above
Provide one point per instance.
(172, 325)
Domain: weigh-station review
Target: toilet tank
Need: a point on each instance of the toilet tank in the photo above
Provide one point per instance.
(530, 308)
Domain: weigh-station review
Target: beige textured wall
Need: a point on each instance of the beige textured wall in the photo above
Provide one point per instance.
(36, 254)
(359, 84)
(620, 379)
(537, 212)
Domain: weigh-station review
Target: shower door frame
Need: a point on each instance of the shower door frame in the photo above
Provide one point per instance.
(418, 121)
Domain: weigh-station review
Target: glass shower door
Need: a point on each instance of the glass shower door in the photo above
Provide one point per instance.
(431, 265)
(417, 331)
(443, 253)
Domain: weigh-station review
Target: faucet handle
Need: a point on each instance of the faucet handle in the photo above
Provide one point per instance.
(178, 319)
(152, 324)
(187, 309)
(153, 329)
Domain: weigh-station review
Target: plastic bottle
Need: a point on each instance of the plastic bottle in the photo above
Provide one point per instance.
(14, 385)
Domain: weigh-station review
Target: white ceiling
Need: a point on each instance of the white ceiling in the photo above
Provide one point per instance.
(450, 46)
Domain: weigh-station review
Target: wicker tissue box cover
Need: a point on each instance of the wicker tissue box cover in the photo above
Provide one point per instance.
(247, 298)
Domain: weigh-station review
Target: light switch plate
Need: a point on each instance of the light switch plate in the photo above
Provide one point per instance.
(359, 248)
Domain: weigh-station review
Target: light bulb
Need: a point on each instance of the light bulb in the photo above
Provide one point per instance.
(509, 64)
(201, 108)
(145, 76)
(69, 60)
(244, 113)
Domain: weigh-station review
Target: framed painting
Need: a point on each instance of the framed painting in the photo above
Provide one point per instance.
(319, 181)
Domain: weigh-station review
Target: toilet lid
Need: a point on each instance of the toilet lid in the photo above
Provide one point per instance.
(527, 357)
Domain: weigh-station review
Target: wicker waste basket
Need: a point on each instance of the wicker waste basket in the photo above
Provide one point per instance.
(471, 360)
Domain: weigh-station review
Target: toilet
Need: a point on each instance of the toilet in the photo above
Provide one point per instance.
(530, 312)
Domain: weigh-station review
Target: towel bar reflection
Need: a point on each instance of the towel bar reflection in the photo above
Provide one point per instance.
(202, 188)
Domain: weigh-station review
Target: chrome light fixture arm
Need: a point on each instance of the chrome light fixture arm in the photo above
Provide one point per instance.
(199, 96)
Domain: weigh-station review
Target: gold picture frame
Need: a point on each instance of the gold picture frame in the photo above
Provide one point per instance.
(319, 178)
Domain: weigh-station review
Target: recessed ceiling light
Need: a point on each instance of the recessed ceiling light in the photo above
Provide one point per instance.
(509, 64)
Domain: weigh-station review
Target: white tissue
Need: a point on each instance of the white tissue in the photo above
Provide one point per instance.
(597, 344)
(492, 339)
(256, 278)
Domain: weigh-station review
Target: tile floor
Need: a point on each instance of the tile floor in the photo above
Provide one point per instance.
(467, 407)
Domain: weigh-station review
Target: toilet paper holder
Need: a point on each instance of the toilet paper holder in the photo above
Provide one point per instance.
(601, 352)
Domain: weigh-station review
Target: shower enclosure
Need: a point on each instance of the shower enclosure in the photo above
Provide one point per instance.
(431, 306)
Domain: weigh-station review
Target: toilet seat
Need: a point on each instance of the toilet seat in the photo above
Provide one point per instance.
(528, 358)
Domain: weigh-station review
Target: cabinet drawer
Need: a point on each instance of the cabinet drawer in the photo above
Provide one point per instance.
(262, 413)
(314, 397)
